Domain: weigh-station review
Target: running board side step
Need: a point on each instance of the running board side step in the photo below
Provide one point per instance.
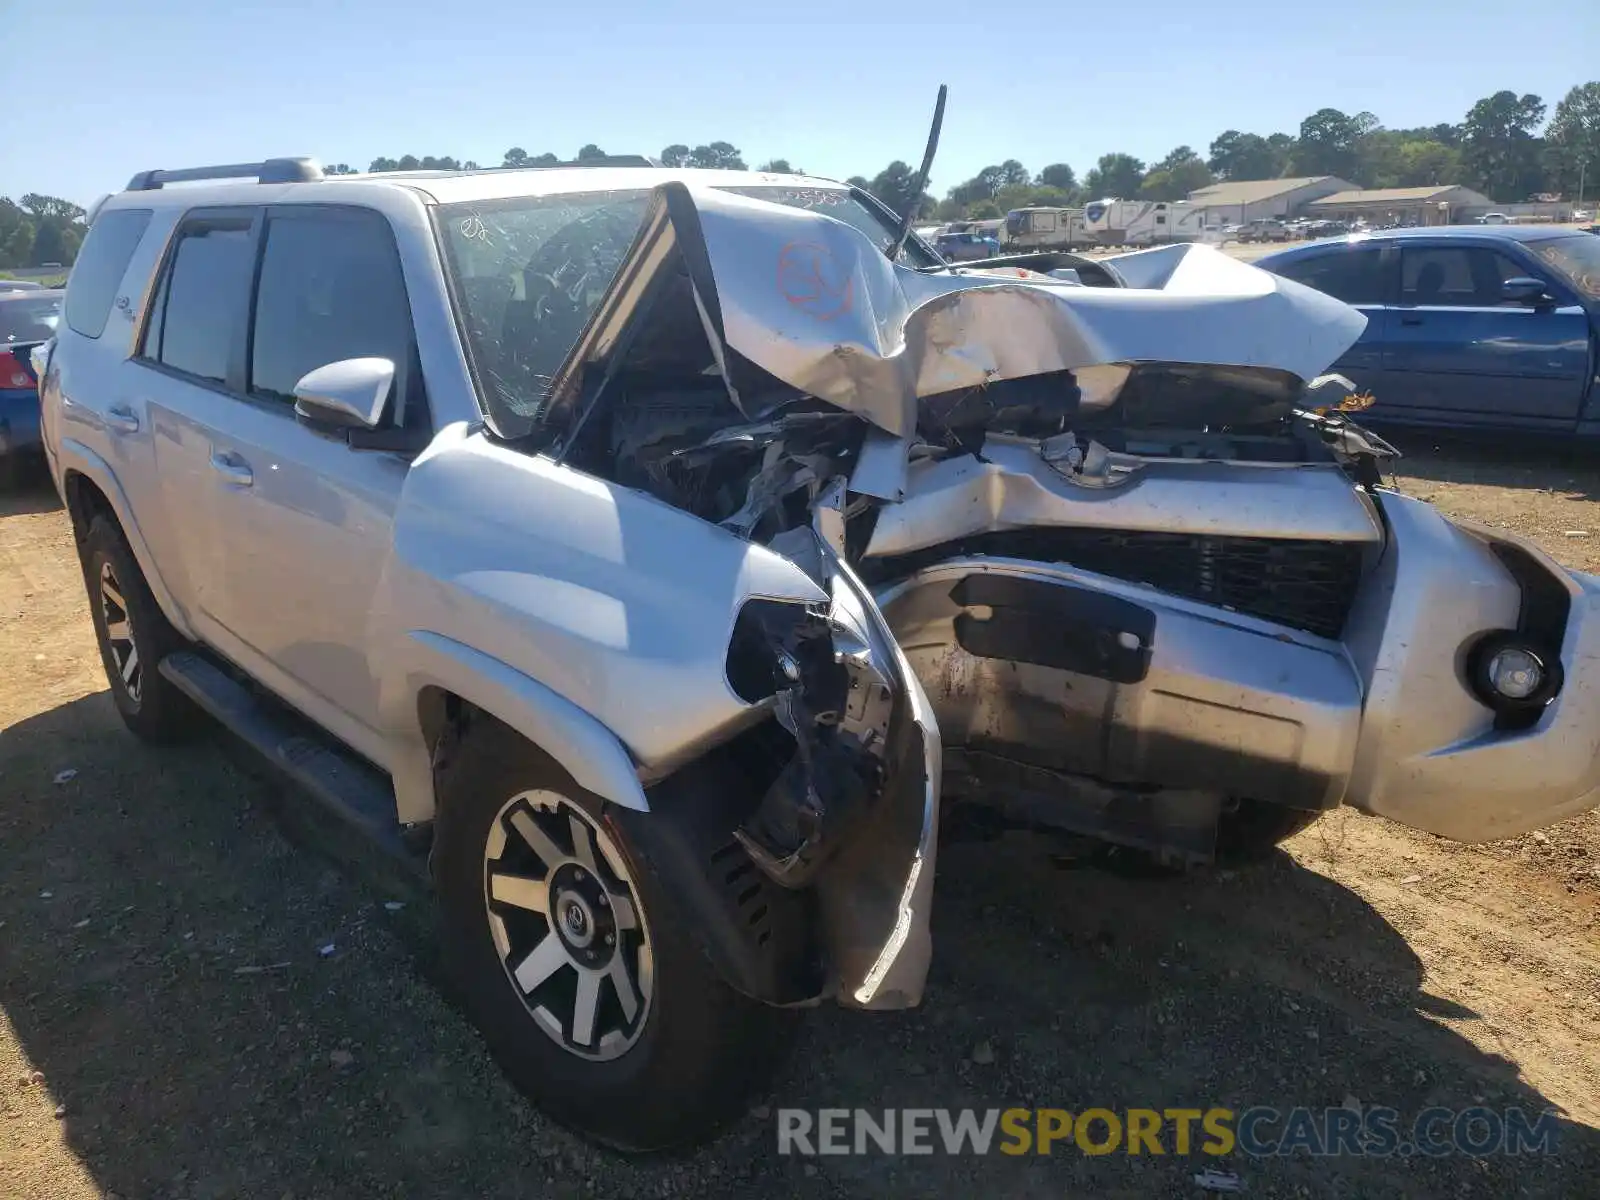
(351, 789)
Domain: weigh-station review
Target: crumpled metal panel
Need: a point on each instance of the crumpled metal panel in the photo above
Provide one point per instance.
(1011, 487)
(814, 302)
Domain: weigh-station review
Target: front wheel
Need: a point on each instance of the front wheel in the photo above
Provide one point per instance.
(571, 957)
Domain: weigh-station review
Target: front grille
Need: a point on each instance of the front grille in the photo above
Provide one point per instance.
(1302, 584)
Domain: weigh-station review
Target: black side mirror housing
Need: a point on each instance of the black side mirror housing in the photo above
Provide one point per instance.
(1525, 290)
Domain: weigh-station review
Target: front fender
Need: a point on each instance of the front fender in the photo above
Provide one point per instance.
(583, 747)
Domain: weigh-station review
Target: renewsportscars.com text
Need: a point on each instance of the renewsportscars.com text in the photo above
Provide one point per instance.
(1257, 1132)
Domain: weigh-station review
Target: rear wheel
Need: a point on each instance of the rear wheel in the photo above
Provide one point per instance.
(134, 636)
(572, 960)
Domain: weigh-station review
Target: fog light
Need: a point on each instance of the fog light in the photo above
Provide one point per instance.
(1512, 673)
(1515, 672)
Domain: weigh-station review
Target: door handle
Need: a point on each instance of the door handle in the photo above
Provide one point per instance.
(232, 468)
(122, 418)
(1411, 320)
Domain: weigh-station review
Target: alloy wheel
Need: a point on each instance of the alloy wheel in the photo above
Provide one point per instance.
(566, 924)
(119, 633)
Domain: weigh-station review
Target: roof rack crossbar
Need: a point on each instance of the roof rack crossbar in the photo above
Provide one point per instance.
(272, 170)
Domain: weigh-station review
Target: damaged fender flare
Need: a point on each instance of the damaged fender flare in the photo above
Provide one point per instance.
(589, 752)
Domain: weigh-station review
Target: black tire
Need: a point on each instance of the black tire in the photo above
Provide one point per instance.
(1252, 831)
(150, 705)
(702, 1049)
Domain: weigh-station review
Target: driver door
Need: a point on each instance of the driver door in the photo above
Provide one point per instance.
(1462, 354)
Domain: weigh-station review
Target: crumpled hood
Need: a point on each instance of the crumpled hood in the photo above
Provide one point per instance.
(813, 302)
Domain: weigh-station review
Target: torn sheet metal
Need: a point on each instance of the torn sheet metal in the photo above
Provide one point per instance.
(813, 302)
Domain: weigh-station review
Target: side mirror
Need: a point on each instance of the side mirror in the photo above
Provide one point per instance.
(1524, 290)
(351, 393)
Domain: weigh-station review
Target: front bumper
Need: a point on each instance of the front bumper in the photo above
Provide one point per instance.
(1169, 693)
(1430, 755)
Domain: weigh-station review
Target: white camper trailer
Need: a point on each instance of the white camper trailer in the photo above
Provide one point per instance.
(1148, 222)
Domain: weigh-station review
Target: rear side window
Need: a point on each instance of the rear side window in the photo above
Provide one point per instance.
(330, 289)
(1354, 276)
(102, 261)
(202, 293)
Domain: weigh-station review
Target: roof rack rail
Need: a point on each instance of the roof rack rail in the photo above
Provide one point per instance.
(609, 160)
(272, 170)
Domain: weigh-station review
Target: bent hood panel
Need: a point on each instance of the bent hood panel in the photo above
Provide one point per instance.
(814, 302)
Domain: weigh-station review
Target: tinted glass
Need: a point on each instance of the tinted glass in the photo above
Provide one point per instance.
(1354, 276)
(330, 289)
(29, 316)
(102, 261)
(1465, 276)
(207, 282)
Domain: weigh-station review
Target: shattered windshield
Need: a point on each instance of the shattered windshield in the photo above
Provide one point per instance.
(528, 272)
(1577, 258)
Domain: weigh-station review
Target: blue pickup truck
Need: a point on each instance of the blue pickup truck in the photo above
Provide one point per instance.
(1477, 326)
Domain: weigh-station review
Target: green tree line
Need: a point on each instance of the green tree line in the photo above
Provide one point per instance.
(39, 230)
(1502, 147)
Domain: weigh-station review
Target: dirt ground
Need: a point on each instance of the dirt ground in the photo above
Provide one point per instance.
(196, 1002)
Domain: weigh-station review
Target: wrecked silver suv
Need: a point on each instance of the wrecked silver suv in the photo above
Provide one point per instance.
(643, 546)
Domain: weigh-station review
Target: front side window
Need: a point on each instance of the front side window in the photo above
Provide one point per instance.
(1457, 276)
(1354, 276)
(202, 293)
(329, 289)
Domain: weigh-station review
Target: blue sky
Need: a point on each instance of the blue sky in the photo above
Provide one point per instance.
(183, 82)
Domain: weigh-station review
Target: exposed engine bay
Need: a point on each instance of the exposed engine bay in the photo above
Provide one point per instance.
(767, 370)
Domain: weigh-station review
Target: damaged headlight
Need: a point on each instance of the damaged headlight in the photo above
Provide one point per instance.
(831, 691)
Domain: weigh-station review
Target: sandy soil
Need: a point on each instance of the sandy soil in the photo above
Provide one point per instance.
(170, 1028)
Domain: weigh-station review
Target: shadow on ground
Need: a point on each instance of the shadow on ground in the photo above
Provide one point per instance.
(29, 492)
(164, 963)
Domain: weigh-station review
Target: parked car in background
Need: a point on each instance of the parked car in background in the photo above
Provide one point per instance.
(1266, 229)
(1494, 218)
(20, 285)
(27, 318)
(1467, 326)
(966, 247)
